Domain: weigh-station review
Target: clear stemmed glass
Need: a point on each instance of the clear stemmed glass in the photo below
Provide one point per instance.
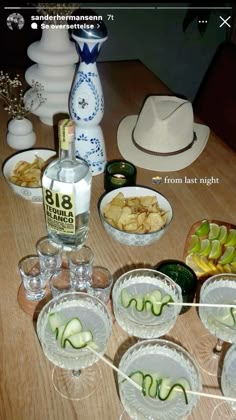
(167, 360)
(145, 324)
(227, 410)
(218, 290)
(76, 374)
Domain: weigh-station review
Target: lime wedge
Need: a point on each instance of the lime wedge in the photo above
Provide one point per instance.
(214, 231)
(205, 247)
(231, 239)
(203, 228)
(195, 244)
(228, 255)
(216, 249)
(233, 266)
(223, 234)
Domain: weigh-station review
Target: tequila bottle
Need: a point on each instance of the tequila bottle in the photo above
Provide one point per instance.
(66, 186)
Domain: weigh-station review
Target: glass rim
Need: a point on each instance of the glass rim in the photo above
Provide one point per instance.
(100, 268)
(78, 249)
(46, 238)
(27, 257)
(147, 270)
(126, 164)
(166, 263)
(161, 342)
(63, 296)
(222, 276)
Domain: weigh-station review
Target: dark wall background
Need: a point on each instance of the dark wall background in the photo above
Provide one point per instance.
(179, 58)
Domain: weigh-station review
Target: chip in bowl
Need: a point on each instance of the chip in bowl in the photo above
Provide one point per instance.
(135, 215)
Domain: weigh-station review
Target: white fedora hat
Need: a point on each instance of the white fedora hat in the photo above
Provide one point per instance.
(163, 137)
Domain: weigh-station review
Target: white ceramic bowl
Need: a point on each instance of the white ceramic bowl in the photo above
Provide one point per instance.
(135, 239)
(28, 193)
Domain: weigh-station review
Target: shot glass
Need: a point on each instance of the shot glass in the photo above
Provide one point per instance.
(183, 275)
(62, 281)
(32, 278)
(101, 284)
(81, 263)
(50, 255)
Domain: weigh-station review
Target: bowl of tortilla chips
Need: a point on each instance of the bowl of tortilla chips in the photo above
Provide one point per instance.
(136, 215)
(23, 172)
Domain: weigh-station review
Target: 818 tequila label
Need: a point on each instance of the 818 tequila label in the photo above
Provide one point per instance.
(59, 211)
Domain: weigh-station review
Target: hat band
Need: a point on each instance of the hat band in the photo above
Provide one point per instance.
(176, 152)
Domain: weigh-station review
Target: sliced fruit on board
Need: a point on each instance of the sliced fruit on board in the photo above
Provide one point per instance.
(223, 234)
(214, 231)
(195, 244)
(199, 265)
(228, 255)
(231, 239)
(203, 229)
(205, 247)
(216, 250)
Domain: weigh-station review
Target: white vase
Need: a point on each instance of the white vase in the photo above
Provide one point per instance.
(20, 134)
(86, 104)
(55, 56)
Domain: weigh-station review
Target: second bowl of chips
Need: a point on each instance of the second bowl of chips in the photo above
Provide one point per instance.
(136, 215)
(23, 171)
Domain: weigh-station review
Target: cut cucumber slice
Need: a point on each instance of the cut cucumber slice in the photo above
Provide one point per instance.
(147, 384)
(72, 327)
(154, 386)
(140, 303)
(125, 298)
(228, 317)
(233, 314)
(163, 388)
(55, 321)
(155, 297)
(59, 332)
(157, 308)
(164, 391)
(157, 294)
(137, 377)
(79, 340)
(136, 302)
(181, 385)
(147, 302)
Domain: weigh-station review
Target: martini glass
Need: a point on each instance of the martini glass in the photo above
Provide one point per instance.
(76, 374)
(166, 360)
(227, 409)
(139, 283)
(218, 290)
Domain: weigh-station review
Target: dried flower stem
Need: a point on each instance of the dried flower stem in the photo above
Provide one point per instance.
(12, 94)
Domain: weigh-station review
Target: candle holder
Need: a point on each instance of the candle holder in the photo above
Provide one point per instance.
(119, 173)
(183, 275)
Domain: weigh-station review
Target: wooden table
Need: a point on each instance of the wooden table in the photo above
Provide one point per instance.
(26, 391)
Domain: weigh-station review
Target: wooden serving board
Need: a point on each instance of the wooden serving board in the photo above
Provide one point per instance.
(33, 308)
(192, 231)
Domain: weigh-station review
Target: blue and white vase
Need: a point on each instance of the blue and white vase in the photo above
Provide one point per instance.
(86, 103)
